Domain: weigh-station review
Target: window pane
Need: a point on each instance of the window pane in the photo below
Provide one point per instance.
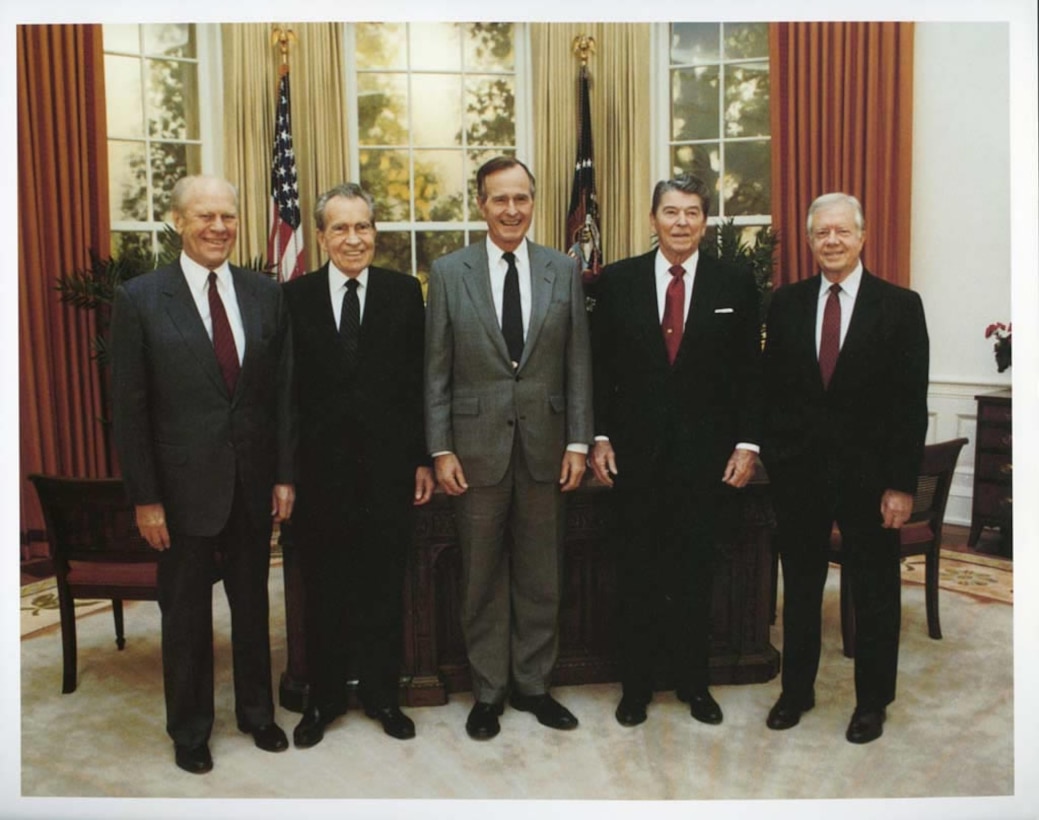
(172, 99)
(386, 176)
(435, 47)
(694, 103)
(490, 110)
(380, 45)
(431, 245)
(703, 161)
(436, 109)
(744, 40)
(747, 100)
(438, 186)
(170, 162)
(488, 47)
(121, 38)
(124, 110)
(171, 39)
(393, 250)
(747, 187)
(132, 245)
(694, 42)
(382, 109)
(474, 159)
(127, 181)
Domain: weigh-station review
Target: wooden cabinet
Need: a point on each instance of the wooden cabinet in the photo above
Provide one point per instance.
(993, 468)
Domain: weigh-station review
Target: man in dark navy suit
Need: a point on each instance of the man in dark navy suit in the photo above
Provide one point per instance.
(846, 415)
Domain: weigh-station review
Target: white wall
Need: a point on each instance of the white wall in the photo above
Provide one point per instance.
(961, 220)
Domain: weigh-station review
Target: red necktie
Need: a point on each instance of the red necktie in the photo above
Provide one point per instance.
(223, 339)
(674, 306)
(830, 343)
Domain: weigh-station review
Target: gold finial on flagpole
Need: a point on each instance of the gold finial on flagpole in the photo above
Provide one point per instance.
(281, 37)
(583, 47)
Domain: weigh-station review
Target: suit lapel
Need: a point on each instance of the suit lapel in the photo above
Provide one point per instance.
(249, 307)
(705, 283)
(542, 281)
(477, 283)
(183, 313)
(376, 303)
(864, 316)
(645, 313)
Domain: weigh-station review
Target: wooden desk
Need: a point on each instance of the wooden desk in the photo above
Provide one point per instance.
(434, 663)
(993, 466)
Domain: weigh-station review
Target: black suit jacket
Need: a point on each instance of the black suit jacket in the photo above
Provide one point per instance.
(869, 427)
(695, 411)
(182, 439)
(371, 418)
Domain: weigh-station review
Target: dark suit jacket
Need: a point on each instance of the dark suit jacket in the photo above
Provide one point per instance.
(182, 439)
(696, 411)
(375, 414)
(873, 419)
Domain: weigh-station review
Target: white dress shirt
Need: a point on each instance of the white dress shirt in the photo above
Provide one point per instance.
(663, 277)
(337, 287)
(849, 290)
(198, 283)
(498, 267)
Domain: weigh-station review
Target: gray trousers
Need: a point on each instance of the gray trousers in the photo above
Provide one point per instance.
(511, 537)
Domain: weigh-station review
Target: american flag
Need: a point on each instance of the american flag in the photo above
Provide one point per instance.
(584, 241)
(285, 243)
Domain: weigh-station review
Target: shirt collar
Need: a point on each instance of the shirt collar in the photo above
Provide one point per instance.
(662, 266)
(850, 285)
(198, 275)
(337, 279)
(522, 253)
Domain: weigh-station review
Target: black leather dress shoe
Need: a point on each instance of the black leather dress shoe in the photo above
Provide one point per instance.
(702, 706)
(866, 725)
(194, 759)
(311, 728)
(268, 737)
(631, 711)
(482, 723)
(394, 722)
(787, 711)
(549, 711)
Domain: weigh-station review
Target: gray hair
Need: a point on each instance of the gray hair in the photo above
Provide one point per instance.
(493, 166)
(182, 190)
(347, 190)
(836, 198)
(687, 184)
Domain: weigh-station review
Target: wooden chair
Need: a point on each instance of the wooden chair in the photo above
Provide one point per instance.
(922, 535)
(96, 551)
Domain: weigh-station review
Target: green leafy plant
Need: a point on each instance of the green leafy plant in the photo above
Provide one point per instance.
(730, 246)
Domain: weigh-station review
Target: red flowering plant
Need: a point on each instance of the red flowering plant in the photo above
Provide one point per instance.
(1002, 333)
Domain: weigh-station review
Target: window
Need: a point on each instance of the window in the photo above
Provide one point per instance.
(718, 120)
(154, 135)
(430, 103)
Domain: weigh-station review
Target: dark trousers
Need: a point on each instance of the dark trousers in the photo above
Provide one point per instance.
(665, 565)
(806, 510)
(240, 554)
(353, 536)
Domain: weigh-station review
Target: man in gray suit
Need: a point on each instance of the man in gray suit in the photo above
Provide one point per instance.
(508, 421)
(205, 429)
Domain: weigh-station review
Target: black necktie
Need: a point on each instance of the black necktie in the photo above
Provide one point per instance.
(350, 322)
(830, 341)
(223, 338)
(511, 312)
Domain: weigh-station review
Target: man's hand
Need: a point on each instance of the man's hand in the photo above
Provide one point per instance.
(572, 471)
(604, 463)
(151, 523)
(424, 485)
(895, 508)
(740, 468)
(449, 474)
(283, 497)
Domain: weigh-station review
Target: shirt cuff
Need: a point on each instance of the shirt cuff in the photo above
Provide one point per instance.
(746, 445)
(577, 448)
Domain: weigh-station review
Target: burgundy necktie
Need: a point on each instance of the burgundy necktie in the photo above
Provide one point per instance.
(223, 339)
(830, 343)
(674, 306)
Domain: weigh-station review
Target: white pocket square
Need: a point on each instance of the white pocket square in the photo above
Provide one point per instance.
(723, 310)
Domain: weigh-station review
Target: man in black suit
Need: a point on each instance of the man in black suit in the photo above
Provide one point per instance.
(358, 340)
(676, 341)
(846, 414)
(205, 429)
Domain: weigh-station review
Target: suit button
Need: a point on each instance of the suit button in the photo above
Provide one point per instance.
(510, 422)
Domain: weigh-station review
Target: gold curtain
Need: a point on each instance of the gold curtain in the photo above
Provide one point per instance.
(319, 123)
(842, 117)
(62, 215)
(620, 93)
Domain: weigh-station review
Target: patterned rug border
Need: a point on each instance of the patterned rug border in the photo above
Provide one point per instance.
(985, 578)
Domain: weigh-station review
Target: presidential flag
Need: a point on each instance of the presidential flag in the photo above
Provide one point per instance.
(582, 221)
(285, 243)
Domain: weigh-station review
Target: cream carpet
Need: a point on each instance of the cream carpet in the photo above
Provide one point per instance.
(949, 734)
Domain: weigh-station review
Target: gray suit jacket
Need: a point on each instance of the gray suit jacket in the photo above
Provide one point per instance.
(474, 400)
(182, 439)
